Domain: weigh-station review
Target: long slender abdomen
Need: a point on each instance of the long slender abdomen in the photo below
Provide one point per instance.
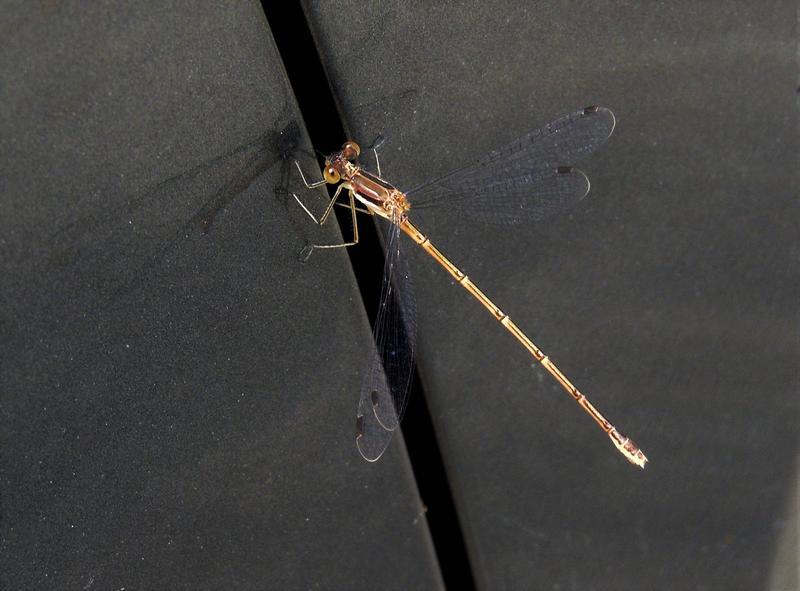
(625, 445)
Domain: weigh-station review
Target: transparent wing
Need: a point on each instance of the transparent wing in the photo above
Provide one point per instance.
(530, 179)
(384, 393)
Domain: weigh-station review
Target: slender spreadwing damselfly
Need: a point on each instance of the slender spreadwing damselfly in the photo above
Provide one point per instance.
(529, 180)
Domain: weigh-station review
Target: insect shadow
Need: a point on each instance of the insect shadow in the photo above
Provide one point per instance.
(144, 226)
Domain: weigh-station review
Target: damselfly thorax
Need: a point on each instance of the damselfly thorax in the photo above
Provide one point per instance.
(379, 196)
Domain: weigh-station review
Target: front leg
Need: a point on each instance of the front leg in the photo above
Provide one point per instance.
(377, 143)
(313, 185)
(328, 210)
(305, 253)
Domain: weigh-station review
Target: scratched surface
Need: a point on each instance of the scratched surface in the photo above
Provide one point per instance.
(177, 399)
(669, 296)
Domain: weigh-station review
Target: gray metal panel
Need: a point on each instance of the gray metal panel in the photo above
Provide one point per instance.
(178, 391)
(669, 296)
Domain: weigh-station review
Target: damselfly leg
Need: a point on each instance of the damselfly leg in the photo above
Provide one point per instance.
(305, 253)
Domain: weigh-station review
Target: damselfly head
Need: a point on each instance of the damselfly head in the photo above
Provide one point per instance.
(331, 174)
(342, 164)
(351, 150)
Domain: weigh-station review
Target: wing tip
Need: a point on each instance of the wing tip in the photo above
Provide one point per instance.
(569, 170)
(364, 451)
(592, 109)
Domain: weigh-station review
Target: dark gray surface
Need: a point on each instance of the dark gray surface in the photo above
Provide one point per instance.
(178, 398)
(669, 296)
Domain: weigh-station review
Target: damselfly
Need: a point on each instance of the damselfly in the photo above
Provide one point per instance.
(530, 179)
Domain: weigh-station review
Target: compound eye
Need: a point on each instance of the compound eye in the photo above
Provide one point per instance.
(351, 150)
(331, 175)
